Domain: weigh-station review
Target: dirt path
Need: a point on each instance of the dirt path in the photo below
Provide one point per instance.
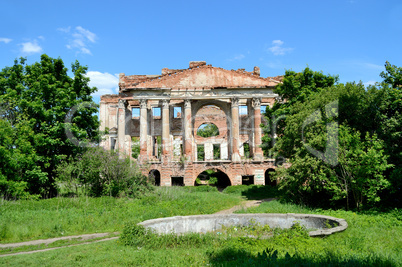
(47, 249)
(51, 240)
(245, 205)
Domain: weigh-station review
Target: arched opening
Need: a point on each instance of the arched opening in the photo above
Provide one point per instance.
(213, 177)
(211, 132)
(208, 130)
(268, 175)
(154, 177)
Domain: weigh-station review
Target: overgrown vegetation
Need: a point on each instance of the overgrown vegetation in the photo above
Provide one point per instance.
(35, 101)
(25, 220)
(100, 172)
(342, 140)
(372, 239)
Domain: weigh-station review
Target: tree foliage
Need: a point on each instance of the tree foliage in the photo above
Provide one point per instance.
(35, 101)
(366, 159)
(295, 88)
(208, 130)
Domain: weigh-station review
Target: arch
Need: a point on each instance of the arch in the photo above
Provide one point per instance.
(268, 175)
(203, 177)
(155, 176)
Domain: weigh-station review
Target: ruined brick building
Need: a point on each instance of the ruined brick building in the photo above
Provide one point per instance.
(156, 119)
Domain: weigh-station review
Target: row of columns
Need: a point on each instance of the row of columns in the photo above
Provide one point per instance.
(188, 137)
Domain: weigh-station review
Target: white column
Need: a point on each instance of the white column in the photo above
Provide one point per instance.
(166, 149)
(121, 130)
(143, 128)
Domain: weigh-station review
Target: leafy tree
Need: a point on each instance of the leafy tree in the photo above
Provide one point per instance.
(294, 89)
(36, 99)
(356, 176)
(388, 104)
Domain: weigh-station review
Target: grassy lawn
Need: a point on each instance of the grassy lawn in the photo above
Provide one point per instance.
(371, 239)
(29, 220)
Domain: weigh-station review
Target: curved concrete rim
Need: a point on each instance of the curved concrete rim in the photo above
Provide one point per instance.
(213, 222)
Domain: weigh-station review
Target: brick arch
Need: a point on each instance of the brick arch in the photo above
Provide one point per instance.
(215, 168)
(218, 115)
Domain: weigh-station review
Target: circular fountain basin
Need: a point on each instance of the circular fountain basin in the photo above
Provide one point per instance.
(208, 223)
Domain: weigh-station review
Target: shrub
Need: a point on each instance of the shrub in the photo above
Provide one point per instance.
(102, 172)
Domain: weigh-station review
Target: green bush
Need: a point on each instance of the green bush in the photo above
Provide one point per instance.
(100, 172)
(138, 236)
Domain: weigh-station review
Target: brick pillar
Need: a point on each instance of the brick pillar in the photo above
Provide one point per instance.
(258, 154)
(188, 135)
(235, 130)
(121, 130)
(166, 150)
(143, 128)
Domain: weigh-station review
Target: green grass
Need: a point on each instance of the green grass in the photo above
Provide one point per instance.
(372, 239)
(25, 220)
(252, 192)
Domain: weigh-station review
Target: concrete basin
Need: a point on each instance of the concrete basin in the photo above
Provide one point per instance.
(213, 222)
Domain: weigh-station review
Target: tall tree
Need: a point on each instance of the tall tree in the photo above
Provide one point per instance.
(295, 88)
(40, 96)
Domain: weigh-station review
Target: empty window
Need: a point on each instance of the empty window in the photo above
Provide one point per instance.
(156, 112)
(263, 109)
(136, 112)
(200, 153)
(177, 181)
(217, 151)
(112, 143)
(247, 179)
(208, 130)
(246, 147)
(176, 112)
(243, 110)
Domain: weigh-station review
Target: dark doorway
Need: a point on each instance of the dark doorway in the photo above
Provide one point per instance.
(213, 177)
(247, 179)
(177, 181)
(268, 177)
(155, 177)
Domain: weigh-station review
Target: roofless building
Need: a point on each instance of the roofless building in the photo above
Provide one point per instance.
(158, 120)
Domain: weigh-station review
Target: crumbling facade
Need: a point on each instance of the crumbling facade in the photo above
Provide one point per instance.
(155, 119)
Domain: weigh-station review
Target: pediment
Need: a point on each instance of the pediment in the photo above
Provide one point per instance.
(201, 78)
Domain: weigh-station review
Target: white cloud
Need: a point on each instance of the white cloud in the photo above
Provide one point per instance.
(105, 82)
(79, 39)
(89, 35)
(277, 48)
(85, 50)
(66, 30)
(31, 47)
(5, 40)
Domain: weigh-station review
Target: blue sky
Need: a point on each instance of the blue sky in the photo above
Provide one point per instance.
(351, 38)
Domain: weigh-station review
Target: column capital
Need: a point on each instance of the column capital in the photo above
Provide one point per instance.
(235, 102)
(122, 103)
(187, 103)
(143, 103)
(165, 103)
(256, 102)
